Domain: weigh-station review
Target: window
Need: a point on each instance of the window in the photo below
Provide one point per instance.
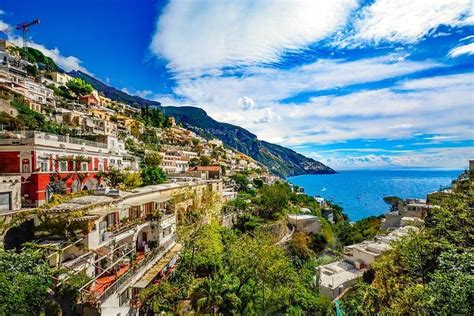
(44, 165)
(124, 297)
(84, 166)
(134, 212)
(101, 166)
(166, 231)
(25, 166)
(63, 166)
(5, 201)
(102, 225)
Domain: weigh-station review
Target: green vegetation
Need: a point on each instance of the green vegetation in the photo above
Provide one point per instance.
(34, 56)
(30, 120)
(24, 281)
(233, 273)
(364, 229)
(430, 271)
(154, 117)
(122, 179)
(153, 175)
(79, 86)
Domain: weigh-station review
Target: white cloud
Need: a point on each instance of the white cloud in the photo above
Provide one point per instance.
(221, 95)
(4, 27)
(437, 82)
(375, 114)
(442, 158)
(139, 93)
(407, 21)
(246, 103)
(67, 63)
(197, 37)
(467, 49)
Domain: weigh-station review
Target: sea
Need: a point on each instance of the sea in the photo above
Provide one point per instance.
(361, 192)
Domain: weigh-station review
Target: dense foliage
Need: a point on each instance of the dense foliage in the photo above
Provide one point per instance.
(24, 281)
(430, 271)
(232, 273)
(79, 86)
(35, 57)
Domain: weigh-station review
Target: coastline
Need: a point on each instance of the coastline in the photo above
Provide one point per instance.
(360, 192)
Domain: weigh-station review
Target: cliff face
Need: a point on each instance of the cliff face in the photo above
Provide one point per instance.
(280, 160)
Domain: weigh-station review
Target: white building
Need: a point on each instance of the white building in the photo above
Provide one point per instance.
(305, 223)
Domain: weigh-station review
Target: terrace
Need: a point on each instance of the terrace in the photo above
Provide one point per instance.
(131, 266)
(41, 138)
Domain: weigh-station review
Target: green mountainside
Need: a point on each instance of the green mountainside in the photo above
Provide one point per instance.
(280, 160)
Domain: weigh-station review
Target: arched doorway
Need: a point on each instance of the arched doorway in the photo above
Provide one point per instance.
(17, 236)
(90, 184)
(143, 237)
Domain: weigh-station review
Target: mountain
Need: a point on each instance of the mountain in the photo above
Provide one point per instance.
(280, 160)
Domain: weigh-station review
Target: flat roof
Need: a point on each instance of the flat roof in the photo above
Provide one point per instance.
(335, 274)
(302, 216)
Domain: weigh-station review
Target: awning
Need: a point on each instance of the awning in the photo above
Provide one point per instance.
(158, 267)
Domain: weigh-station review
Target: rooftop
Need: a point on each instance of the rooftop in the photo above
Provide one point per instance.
(337, 273)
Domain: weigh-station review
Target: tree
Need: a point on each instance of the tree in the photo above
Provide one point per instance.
(152, 159)
(205, 161)
(273, 200)
(24, 282)
(213, 294)
(132, 180)
(428, 272)
(79, 86)
(153, 175)
(114, 177)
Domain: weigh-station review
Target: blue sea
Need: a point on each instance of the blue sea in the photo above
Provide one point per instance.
(361, 192)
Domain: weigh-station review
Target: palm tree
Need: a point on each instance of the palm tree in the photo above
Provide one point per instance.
(209, 295)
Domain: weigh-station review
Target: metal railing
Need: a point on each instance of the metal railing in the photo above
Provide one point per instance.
(23, 135)
(157, 252)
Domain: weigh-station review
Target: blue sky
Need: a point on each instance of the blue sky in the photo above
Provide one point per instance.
(354, 84)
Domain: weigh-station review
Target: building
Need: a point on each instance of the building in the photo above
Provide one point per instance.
(305, 223)
(39, 157)
(38, 96)
(207, 172)
(131, 241)
(4, 44)
(59, 78)
(10, 193)
(123, 242)
(334, 278)
(89, 100)
(410, 208)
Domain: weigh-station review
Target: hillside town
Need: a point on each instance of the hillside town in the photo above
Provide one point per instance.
(136, 215)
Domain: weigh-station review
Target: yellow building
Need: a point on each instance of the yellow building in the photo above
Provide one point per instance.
(60, 78)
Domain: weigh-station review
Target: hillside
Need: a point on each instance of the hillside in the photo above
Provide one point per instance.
(280, 160)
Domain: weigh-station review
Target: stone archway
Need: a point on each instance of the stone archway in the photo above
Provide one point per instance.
(16, 236)
(90, 184)
(143, 237)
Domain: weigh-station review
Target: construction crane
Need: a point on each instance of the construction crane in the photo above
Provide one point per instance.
(25, 27)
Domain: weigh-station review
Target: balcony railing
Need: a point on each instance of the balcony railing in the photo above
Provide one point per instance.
(21, 136)
(127, 276)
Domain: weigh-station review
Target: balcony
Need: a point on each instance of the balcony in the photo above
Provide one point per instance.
(41, 138)
(106, 285)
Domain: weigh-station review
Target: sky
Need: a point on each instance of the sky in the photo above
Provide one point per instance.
(353, 84)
